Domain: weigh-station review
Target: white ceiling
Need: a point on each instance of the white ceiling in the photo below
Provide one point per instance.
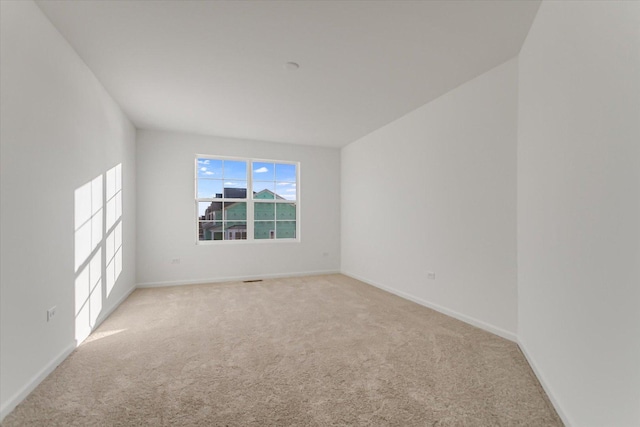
(217, 67)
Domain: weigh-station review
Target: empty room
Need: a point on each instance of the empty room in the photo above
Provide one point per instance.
(316, 213)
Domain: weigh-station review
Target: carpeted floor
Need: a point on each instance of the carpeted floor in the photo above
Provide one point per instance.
(307, 351)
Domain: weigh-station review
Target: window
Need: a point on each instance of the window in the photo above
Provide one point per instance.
(226, 210)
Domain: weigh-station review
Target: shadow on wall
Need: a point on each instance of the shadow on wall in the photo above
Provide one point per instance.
(98, 260)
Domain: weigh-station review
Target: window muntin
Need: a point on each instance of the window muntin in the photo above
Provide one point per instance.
(226, 211)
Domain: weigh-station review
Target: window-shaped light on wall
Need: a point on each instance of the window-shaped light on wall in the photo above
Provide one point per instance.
(88, 219)
(113, 249)
(98, 260)
(113, 256)
(113, 195)
(88, 296)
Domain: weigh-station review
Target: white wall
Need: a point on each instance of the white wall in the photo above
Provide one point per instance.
(59, 131)
(579, 208)
(166, 213)
(436, 191)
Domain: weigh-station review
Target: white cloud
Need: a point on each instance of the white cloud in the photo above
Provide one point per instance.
(203, 169)
(261, 170)
(203, 162)
(208, 173)
(290, 190)
(230, 183)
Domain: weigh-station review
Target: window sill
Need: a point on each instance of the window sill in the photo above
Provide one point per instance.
(245, 242)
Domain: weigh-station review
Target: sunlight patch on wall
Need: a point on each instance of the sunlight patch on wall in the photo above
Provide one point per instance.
(114, 257)
(88, 220)
(98, 260)
(88, 290)
(114, 239)
(114, 195)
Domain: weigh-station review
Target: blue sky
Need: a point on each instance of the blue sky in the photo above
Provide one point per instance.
(214, 174)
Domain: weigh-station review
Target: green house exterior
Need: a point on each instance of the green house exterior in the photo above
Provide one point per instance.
(273, 219)
(228, 221)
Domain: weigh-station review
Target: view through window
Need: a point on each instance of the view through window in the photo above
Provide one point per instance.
(245, 199)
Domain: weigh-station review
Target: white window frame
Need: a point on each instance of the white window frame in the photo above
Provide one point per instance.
(250, 201)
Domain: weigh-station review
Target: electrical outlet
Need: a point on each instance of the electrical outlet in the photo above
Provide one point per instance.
(431, 275)
(175, 261)
(51, 313)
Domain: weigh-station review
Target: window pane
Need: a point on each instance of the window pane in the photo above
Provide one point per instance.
(286, 190)
(235, 211)
(235, 189)
(285, 229)
(263, 171)
(209, 168)
(210, 230)
(210, 210)
(209, 188)
(235, 230)
(264, 229)
(264, 211)
(263, 190)
(285, 172)
(286, 211)
(235, 170)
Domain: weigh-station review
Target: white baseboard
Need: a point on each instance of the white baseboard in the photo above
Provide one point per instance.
(15, 400)
(234, 278)
(545, 385)
(467, 319)
(482, 325)
(18, 397)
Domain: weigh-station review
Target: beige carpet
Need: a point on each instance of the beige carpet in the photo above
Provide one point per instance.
(308, 351)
